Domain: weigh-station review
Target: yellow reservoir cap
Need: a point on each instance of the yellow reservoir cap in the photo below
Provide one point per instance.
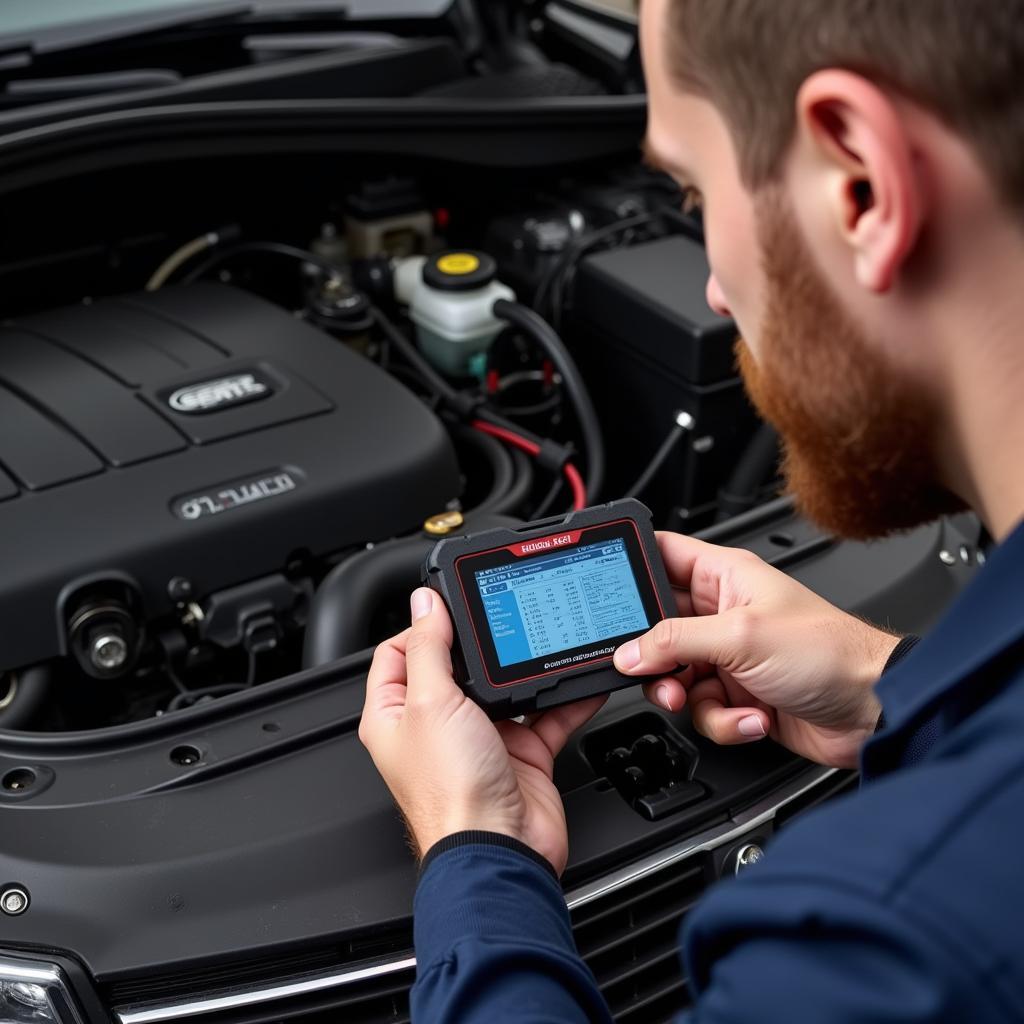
(458, 263)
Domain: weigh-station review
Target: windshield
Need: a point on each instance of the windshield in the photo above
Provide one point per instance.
(29, 17)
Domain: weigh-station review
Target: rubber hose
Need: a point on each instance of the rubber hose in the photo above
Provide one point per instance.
(503, 468)
(755, 467)
(544, 335)
(522, 486)
(32, 688)
(345, 602)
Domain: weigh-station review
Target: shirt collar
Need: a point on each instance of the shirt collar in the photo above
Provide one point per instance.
(984, 620)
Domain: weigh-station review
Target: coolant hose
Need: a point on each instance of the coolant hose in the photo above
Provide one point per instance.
(25, 697)
(344, 604)
(537, 328)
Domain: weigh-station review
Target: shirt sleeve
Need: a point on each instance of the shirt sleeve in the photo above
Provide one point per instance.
(493, 939)
(779, 953)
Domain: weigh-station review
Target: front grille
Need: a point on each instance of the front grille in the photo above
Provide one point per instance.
(626, 928)
(629, 939)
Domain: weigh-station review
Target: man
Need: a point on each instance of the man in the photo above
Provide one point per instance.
(861, 164)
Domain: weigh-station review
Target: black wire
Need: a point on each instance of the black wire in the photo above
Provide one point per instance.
(277, 248)
(498, 456)
(520, 489)
(577, 249)
(459, 402)
(549, 499)
(659, 459)
(435, 383)
(191, 698)
(188, 698)
(542, 333)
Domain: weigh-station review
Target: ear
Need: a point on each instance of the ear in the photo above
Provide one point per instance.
(862, 147)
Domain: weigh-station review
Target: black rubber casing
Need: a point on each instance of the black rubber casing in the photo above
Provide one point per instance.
(537, 692)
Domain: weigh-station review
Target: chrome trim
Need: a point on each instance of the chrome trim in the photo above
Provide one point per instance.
(11, 969)
(248, 997)
(742, 823)
(728, 832)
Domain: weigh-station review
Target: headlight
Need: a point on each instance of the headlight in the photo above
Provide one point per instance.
(34, 992)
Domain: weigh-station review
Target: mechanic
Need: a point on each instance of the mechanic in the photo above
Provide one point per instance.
(861, 164)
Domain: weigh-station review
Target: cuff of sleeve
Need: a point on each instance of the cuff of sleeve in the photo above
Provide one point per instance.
(474, 837)
(490, 889)
(900, 651)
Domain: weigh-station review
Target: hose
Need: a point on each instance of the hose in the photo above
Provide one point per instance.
(530, 323)
(345, 602)
(187, 251)
(511, 470)
(569, 471)
(343, 607)
(25, 697)
(758, 462)
(274, 248)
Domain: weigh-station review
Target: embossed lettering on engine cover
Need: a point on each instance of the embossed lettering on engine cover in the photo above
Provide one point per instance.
(222, 498)
(212, 395)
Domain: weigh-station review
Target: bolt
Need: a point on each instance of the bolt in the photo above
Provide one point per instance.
(14, 901)
(749, 855)
(947, 558)
(193, 614)
(179, 589)
(109, 651)
(965, 554)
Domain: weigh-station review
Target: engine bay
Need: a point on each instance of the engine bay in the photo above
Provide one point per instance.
(235, 427)
(227, 452)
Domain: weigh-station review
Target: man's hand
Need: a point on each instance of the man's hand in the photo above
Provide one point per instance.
(765, 656)
(448, 766)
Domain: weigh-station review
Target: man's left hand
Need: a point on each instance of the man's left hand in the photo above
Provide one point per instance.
(449, 767)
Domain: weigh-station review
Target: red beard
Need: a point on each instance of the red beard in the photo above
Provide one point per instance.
(859, 439)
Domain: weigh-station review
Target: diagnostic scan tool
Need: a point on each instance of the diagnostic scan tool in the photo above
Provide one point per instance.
(538, 611)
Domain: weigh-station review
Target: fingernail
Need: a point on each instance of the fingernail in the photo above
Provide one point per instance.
(421, 603)
(663, 697)
(628, 656)
(752, 726)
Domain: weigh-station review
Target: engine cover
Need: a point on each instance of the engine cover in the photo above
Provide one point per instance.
(196, 432)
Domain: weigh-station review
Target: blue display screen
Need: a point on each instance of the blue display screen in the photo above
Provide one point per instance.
(551, 603)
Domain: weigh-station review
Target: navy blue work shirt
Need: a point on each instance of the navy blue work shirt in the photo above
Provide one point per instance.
(901, 902)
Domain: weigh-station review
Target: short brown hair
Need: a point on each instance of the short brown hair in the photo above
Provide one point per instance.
(961, 59)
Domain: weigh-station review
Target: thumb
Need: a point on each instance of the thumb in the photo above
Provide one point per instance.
(713, 639)
(428, 649)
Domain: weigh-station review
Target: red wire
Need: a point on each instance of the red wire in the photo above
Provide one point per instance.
(507, 436)
(572, 474)
(579, 492)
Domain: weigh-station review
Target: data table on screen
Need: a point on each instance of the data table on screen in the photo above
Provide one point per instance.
(561, 601)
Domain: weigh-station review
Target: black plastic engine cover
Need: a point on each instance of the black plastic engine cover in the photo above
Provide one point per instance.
(197, 432)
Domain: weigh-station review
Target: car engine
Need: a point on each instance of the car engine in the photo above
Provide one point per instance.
(192, 441)
(205, 461)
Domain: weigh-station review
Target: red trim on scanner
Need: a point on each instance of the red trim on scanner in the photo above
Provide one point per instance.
(539, 545)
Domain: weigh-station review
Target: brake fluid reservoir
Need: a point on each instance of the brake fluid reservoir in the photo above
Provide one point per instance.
(451, 306)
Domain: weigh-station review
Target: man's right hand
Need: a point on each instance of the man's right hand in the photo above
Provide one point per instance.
(764, 656)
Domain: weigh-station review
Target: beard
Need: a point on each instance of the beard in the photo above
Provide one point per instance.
(859, 438)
